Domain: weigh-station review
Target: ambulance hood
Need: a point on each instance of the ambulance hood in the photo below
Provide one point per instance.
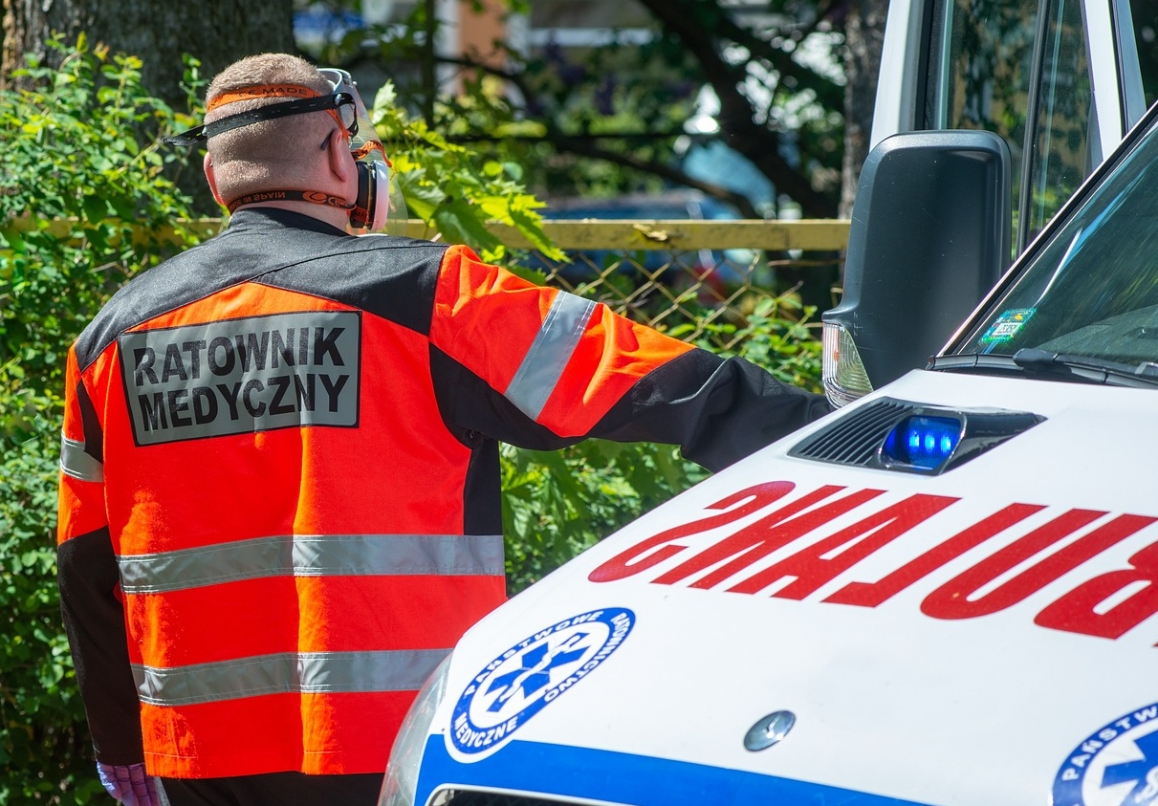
(805, 630)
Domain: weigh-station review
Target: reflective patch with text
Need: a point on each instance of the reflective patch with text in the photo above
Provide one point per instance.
(242, 375)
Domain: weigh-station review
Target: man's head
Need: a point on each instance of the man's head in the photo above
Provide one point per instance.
(301, 151)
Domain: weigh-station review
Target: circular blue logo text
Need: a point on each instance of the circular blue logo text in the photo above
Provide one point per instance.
(521, 681)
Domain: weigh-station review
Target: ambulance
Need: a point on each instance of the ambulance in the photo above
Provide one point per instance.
(944, 592)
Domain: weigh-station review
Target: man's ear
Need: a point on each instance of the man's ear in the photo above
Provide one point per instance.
(211, 178)
(341, 164)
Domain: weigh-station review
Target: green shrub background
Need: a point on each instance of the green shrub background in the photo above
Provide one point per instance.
(85, 203)
(72, 152)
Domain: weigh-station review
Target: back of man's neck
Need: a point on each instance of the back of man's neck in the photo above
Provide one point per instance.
(334, 216)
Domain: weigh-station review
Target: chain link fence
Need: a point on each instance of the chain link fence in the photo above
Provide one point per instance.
(699, 280)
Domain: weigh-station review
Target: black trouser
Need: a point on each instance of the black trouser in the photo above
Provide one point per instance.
(292, 788)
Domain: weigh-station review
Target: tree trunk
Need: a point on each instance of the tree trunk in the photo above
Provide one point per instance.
(864, 38)
(216, 32)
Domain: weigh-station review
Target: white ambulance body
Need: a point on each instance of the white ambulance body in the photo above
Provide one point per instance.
(942, 593)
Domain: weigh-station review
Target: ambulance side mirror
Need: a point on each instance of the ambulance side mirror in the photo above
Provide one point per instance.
(930, 236)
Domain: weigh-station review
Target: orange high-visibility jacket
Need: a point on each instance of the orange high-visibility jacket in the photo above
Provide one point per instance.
(279, 499)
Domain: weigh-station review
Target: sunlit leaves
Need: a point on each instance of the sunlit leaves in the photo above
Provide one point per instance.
(453, 188)
(81, 198)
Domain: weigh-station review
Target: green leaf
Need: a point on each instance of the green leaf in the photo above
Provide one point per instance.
(530, 227)
(460, 222)
(421, 198)
(95, 209)
(122, 206)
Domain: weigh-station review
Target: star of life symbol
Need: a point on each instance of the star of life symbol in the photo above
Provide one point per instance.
(524, 679)
(1116, 766)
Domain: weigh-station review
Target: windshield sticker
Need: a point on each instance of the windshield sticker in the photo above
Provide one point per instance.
(1007, 325)
(524, 679)
(1117, 765)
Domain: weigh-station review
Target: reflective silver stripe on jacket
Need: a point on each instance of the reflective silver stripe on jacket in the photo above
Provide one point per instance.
(287, 673)
(549, 353)
(78, 464)
(313, 556)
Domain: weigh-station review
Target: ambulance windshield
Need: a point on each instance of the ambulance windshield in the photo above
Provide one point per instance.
(1092, 291)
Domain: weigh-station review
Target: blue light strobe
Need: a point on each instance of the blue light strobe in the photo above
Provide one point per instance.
(925, 442)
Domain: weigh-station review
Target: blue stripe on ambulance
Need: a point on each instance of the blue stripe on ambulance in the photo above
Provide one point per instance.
(578, 772)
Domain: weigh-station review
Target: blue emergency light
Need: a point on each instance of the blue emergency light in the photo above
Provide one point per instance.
(909, 437)
(922, 441)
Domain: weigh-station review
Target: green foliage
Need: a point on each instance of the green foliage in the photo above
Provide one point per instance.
(454, 190)
(83, 204)
(778, 336)
(557, 503)
(45, 752)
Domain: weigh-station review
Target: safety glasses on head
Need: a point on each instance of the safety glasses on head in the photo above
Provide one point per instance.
(364, 142)
(377, 194)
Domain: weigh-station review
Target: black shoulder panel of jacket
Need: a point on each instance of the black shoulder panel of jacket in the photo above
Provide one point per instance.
(394, 278)
(717, 410)
(94, 621)
(468, 404)
(480, 417)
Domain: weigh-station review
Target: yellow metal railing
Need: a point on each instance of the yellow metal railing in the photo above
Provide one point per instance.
(680, 235)
(809, 235)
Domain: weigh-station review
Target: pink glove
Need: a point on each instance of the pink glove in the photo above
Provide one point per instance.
(130, 785)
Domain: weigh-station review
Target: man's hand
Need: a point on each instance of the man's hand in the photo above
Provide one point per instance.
(130, 785)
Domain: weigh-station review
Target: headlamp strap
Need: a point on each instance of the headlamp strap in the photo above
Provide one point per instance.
(311, 196)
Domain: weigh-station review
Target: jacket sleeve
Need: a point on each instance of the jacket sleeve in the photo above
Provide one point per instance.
(88, 579)
(540, 368)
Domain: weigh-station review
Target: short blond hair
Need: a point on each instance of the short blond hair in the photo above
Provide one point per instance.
(270, 154)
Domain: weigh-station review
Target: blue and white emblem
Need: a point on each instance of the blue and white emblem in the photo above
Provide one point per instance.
(520, 682)
(1115, 766)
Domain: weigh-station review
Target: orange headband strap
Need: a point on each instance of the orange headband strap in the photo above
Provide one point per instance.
(269, 91)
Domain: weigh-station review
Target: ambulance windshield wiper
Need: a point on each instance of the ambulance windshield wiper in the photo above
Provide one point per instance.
(1075, 368)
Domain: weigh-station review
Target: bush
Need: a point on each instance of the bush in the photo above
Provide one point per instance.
(45, 751)
(83, 206)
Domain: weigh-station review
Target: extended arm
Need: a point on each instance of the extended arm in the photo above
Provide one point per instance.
(540, 368)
